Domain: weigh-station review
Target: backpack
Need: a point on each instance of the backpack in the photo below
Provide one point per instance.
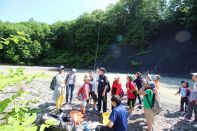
(121, 93)
(80, 93)
(53, 83)
(188, 92)
(108, 85)
(155, 106)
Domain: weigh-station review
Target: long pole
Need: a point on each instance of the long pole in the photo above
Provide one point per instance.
(98, 38)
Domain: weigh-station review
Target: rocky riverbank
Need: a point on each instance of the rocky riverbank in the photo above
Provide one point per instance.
(169, 119)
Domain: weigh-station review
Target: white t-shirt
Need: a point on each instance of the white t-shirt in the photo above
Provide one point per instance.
(61, 80)
(71, 79)
(195, 87)
(193, 95)
(95, 82)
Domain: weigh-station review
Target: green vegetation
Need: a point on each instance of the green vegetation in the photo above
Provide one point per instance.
(21, 117)
(73, 43)
(135, 64)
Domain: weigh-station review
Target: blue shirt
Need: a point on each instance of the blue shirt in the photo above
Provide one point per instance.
(119, 117)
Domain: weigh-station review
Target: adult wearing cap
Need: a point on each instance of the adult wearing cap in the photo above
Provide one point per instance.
(192, 105)
(147, 92)
(59, 89)
(70, 84)
(139, 83)
(103, 84)
(116, 86)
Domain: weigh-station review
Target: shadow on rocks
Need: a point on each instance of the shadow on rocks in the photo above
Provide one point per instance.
(171, 114)
(185, 126)
(46, 106)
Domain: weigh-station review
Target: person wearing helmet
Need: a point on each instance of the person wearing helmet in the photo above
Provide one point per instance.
(70, 84)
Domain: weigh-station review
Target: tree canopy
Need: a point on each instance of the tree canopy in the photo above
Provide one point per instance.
(73, 43)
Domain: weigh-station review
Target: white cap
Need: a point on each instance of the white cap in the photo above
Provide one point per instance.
(116, 77)
(194, 74)
(74, 70)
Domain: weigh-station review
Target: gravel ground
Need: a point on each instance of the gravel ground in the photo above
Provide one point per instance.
(169, 119)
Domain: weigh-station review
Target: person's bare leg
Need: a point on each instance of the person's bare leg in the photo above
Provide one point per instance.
(150, 126)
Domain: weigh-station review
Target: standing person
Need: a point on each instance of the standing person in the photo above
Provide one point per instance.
(156, 81)
(59, 89)
(116, 86)
(184, 93)
(92, 89)
(102, 90)
(85, 94)
(71, 81)
(118, 117)
(131, 94)
(139, 83)
(95, 80)
(147, 92)
(192, 105)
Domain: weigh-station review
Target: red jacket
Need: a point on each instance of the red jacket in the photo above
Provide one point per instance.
(116, 87)
(130, 86)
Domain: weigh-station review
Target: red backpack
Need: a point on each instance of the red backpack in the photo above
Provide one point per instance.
(80, 93)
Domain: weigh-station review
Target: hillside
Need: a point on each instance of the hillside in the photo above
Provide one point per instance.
(171, 51)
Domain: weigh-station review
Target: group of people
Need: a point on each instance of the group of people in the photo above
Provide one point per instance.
(96, 86)
(188, 101)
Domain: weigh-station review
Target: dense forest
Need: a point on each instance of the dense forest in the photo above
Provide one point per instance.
(74, 43)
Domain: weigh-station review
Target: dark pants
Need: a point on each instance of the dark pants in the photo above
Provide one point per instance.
(139, 99)
(104, 100)
(191, 107)
(69, 90)
(103, 128)
(184, 101)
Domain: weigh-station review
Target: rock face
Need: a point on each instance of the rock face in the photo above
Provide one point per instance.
(172, 51)
(39, 90)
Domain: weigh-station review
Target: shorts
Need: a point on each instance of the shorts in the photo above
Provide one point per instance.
(131, 103)
(84, 103)
(149, 116)
(93, 95)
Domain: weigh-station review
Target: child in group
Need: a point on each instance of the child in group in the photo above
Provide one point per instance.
(92, 89)
(184, 93)
(131, 93)
(116, 86)
(84, 93)
(192, 106)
